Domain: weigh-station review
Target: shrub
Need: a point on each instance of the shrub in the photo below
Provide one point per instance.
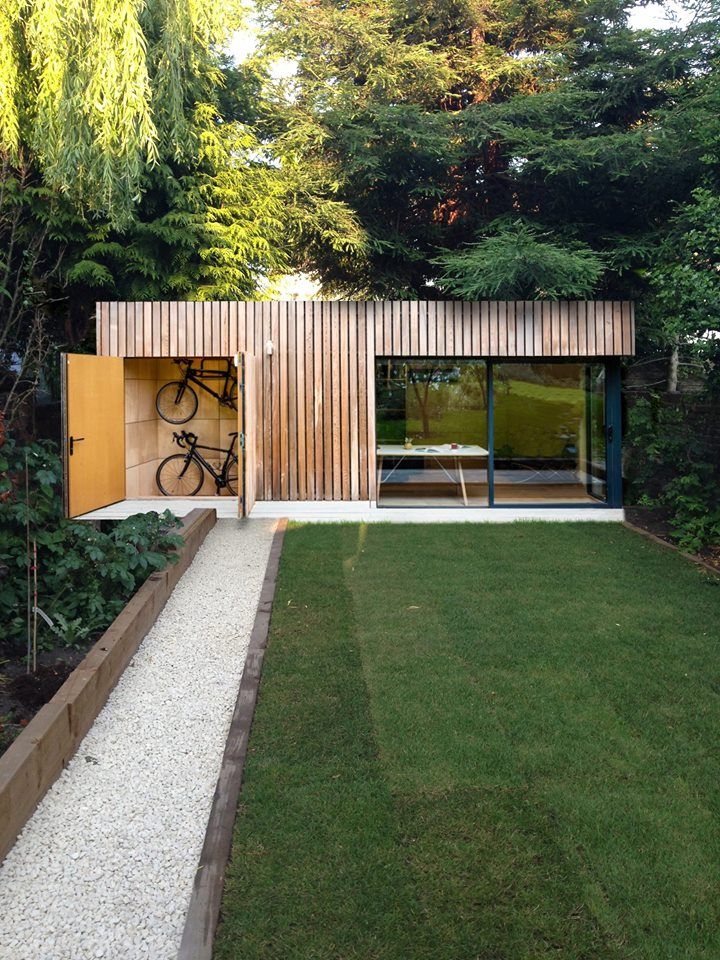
(85, 575)
(673, 462)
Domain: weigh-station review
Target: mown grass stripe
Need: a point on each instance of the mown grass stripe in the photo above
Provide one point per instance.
(482, 742)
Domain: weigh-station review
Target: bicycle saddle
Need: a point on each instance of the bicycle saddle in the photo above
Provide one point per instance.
(233, 434)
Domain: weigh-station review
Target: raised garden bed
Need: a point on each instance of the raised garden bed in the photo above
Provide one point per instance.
(35, 759)
(22, 694)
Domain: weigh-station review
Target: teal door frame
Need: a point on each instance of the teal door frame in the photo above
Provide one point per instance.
(613, 431)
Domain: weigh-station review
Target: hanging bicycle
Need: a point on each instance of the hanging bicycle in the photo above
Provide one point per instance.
(177, 401)
(182, 474)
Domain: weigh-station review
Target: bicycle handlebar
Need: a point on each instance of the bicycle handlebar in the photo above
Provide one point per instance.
(184, 437)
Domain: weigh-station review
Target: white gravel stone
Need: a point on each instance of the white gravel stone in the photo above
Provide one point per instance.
(105, 866)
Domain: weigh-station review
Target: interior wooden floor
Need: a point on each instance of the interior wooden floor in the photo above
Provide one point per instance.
(441, 495)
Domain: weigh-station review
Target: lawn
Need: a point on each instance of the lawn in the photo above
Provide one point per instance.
(482, 742)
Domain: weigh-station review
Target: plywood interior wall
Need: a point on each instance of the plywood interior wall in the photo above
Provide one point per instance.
(149, 438)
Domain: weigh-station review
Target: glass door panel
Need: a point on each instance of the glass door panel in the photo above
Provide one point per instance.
(432, 434)
(548, 419)
(596, 461)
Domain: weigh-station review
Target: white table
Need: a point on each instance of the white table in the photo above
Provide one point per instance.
(433, 451)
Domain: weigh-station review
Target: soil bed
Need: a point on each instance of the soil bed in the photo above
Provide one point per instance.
(22, 694)
(656, 520)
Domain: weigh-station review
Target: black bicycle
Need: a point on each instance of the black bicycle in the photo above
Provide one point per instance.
(181, 474)
(177, 402)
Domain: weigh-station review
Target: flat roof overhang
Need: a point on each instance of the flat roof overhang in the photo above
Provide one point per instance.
(493, 329)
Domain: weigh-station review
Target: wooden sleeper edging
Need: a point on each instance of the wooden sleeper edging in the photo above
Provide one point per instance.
(203, 912)
(672, 546)
(34, 761)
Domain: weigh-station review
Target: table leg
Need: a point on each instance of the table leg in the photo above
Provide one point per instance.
(458, 464)
(379, 477)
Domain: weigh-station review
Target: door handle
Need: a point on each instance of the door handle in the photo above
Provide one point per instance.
(610, 433)
(73, 441)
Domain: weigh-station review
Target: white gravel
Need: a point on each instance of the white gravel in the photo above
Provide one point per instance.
(105, 866)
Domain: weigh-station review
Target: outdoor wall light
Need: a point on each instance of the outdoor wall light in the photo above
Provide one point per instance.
(269, 348)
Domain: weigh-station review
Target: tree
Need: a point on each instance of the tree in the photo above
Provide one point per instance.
(100, 92)
(519, 263)
(440, 124)
(129, 169)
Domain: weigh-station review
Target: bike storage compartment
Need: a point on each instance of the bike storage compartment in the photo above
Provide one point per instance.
(121, 416)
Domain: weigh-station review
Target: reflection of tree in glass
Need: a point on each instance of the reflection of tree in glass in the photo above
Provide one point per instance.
(421, 380)
(434, 400)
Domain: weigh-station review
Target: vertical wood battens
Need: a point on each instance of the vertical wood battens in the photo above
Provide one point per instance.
(509, 308)
(291, 486)
(256, 315)
(449, 319)
(236, 320)
(275, 394)
(400, 328)
(112, 329)
(99, 338)
(345, 398)
(283, 361)
(171, 321)
(422, 312)
(370, 354)
(361, 319)
(617, 325)
(327, 402)
(318, 480)
(300, 404)
(315, 394)
(122, 330)
(353, 401)
(265, 326)
(335, 435)
(572, 329)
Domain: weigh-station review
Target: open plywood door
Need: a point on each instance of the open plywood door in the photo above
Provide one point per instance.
(247, 421)
(93, 431)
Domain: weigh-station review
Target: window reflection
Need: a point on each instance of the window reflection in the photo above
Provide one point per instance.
(432, 432)
(549, 424)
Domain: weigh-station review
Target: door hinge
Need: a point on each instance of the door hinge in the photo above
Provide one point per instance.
(241, 441)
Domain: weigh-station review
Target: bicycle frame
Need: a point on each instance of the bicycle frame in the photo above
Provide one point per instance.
(189, 442)
(193, 375)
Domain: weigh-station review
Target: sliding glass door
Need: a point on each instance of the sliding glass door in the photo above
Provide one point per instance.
(465, 432)
(549, 433)
(595, 405)
(432, 432)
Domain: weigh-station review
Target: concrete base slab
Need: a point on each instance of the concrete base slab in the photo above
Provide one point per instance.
(366, 512)
(357, 511)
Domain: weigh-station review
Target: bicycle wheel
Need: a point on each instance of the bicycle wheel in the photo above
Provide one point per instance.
(174, 480)
(231, 477)
(176, 402)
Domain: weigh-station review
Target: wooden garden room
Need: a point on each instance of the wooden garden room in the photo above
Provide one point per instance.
(410, 404)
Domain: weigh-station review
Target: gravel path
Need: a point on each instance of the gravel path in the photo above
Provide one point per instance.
(105, 866)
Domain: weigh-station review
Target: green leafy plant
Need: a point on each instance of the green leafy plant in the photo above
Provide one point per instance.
(520, 262)
(673, 465)
(694, 499)
(85, 575)
(72, 633)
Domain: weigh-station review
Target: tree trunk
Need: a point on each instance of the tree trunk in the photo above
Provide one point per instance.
(673, 365)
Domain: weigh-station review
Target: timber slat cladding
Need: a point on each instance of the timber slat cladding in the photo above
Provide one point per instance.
(315, 437)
